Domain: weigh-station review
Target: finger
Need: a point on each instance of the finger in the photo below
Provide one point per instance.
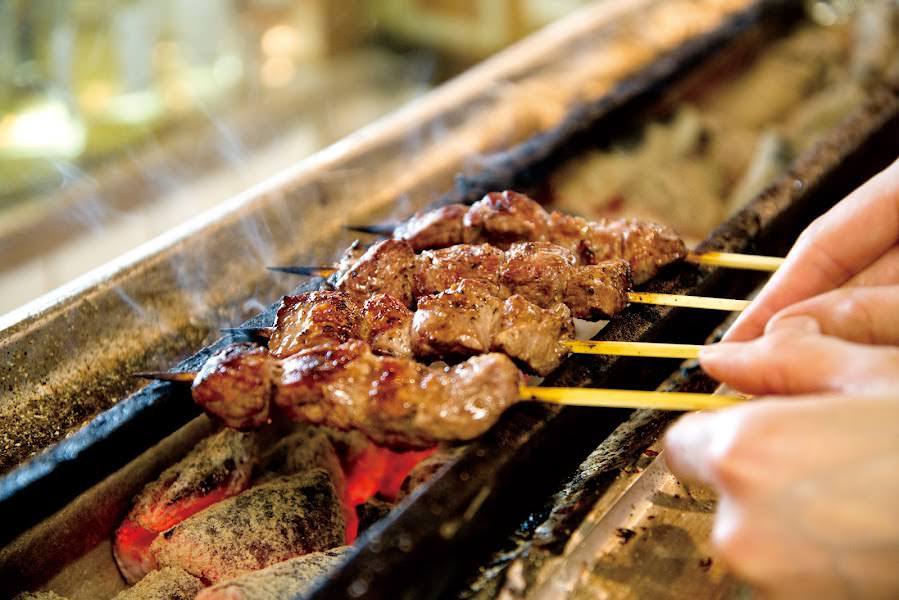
(689, 447)
(866, 315)
(795, 359)
(841, 243)
(883, 271)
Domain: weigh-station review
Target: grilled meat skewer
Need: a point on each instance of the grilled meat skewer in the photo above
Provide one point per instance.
(503, 218)
(396, 402)
(542, 273)
(466, 320)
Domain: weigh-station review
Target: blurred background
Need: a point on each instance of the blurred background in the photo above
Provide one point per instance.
(122, 118)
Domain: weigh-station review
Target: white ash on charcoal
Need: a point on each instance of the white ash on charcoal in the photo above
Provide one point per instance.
(275, 521)
(165, 584)
(286, 579)
(219, 467)
(39, 596)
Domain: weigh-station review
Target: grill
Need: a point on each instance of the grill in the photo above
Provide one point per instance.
(78, 351)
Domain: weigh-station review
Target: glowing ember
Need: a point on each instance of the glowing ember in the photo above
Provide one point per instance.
(378, 471)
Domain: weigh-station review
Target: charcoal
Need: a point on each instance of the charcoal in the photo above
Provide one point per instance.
(286, 579)
(267, 524)
(165, 584)
(307, 449)
(371, 511)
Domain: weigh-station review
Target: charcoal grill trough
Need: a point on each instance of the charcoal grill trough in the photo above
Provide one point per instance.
(75, 491)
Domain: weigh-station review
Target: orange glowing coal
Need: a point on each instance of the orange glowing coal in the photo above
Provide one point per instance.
(376, 471)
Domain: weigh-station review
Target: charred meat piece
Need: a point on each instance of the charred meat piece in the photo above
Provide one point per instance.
(169, 583)
(646, 246)
(396, 402)
(267, 524)
(461, 321)
(436, 228)
(502, 218)
(236, 385)
(531, 335)
(598, 291)
(387, 326)
(218, 467)
(312, 319)
(437, 270)
(538, 271)
(386, 267)
(468, 319)
(288, 579)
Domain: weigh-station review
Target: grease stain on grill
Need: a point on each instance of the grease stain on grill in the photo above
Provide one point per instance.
(624, 534)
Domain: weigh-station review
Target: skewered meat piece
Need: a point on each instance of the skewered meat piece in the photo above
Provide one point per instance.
(387, 267)
(503, 218)
(288, 579)
(470, 319)
(236, 385)
(396, 402)
(437, 270)
(218, 467)
(436, 228)
(467, 319)
(387, 326)
(540, 271)
(169, 583)
(267, 524)
(312, 319)
(458, 322)
(646, 246)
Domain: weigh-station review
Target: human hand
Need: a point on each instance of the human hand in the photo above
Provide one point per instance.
(796, 356)
(807, 492)
(854, 244)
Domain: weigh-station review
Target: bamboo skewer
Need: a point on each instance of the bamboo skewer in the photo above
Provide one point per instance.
(607, 398)
(645, 349)
(727, 304)
(682, 301)
(737, 261)
(609, 348)
(590, 397)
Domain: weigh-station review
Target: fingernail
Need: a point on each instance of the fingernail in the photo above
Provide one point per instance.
(798, 323)
(686, 445)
